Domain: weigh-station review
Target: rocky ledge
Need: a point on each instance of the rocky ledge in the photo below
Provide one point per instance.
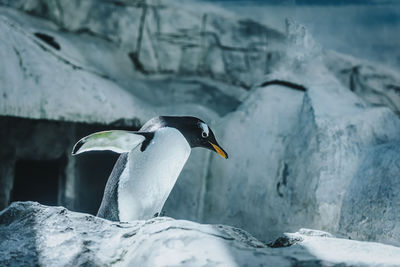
(32, 234)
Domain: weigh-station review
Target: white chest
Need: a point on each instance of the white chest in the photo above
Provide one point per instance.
(149, 176)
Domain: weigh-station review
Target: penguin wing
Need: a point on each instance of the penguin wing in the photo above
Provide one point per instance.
(118, 141)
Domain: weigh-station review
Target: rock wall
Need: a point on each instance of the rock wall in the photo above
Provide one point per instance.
(376, 84)
(369, 210)
(246, 190)
(40, 82)
(294, 155)
(173, 38)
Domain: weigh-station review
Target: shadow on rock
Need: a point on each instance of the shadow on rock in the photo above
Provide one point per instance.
(18, 240)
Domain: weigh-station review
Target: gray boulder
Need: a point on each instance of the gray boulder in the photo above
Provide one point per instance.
(293, 156)
(378, 85)
(370, 209)
(244, 190)
(32, 234)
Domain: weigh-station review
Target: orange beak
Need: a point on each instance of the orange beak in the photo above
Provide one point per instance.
(219, 150)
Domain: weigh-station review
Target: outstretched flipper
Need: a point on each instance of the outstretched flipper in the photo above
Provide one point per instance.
(118, 141)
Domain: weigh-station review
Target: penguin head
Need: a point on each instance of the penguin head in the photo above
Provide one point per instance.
(196, 131)
(199, 134)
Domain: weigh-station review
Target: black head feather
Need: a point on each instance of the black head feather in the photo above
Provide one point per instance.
(195, 130)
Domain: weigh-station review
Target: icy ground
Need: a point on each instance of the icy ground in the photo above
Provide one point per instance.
(33, 234)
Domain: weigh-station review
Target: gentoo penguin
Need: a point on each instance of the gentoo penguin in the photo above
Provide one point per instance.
(150, 162)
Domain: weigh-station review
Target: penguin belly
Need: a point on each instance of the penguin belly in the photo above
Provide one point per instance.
(150, 175)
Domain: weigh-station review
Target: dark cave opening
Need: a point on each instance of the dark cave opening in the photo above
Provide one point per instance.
(37, 180)
(92, 171)
(34, 171)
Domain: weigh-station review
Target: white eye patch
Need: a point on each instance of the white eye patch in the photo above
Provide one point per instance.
(205, 129)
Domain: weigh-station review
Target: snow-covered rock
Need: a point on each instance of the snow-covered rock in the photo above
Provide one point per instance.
(32, 234)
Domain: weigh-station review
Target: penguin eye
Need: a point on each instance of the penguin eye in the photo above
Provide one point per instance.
(204, 130)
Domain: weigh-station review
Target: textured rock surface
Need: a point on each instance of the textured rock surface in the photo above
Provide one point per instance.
(173, 38)
(38, 81)
(293, 156)
(245, 186)
(376, 84)
(370, 208)
(82, 77)
(32, 234)
(91, 80)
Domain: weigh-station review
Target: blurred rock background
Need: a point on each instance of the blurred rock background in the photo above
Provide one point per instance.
(313, 134)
